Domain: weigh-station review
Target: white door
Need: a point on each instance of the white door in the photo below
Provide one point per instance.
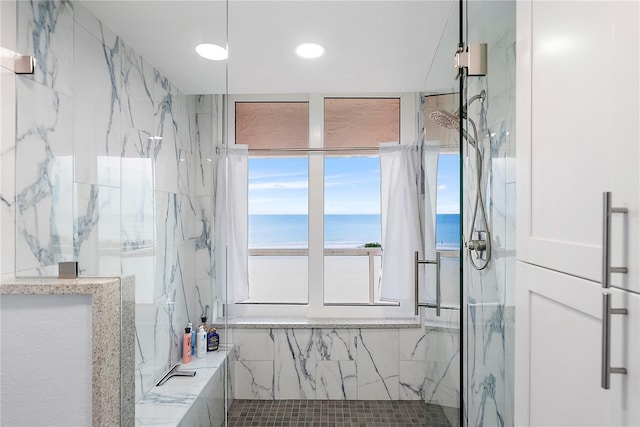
(558, 352)
(578, 134)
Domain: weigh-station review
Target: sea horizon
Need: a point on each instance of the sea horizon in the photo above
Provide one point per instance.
(341, 231)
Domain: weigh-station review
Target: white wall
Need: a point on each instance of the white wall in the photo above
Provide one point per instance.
(41, 386)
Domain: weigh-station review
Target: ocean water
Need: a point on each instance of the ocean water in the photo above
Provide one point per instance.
(291, 231)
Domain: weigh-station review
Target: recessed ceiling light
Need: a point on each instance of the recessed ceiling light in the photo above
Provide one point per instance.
(212, 51)
(309, 50)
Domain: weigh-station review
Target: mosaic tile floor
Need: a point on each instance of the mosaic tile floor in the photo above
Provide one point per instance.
(338, 413)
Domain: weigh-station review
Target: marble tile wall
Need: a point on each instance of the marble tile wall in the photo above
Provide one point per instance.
(347, 364)
(111, 166)
(490, 304)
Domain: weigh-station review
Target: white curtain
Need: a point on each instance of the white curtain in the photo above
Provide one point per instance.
(237, 288)
(403, 233)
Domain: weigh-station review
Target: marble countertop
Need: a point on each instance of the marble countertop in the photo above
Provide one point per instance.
(51, 285)
(308, 323)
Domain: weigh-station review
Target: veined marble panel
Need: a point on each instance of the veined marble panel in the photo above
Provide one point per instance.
(295, 364)
(145, 316)
(44, 177)
(167, 345)
(254, 380)
(412, 344)
(138, 214)
(442, 364)
(336, 380)
(186, 119)
(137, 91)
(413, 380)
(45, 31)
(186, 200)
(204, 152)
(336, 344)
(166, 269)
(377, 365)
(96, 234)
(97, 109)
(254, 344)
(166, 150)
(204, 241)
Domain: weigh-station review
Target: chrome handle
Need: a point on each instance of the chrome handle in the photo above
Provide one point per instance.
(607, 210)
(419, 261)
(607, 370)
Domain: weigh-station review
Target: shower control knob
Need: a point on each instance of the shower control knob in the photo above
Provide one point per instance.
(477, 245)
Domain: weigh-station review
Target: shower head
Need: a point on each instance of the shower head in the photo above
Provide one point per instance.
(452, 121)
(445, 119)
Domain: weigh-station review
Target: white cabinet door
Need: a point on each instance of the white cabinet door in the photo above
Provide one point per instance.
(578, 134)
(558, 352)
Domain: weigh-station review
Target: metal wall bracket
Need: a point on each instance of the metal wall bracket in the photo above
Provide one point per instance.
(24, 64)
(19, 64)
(473, 58)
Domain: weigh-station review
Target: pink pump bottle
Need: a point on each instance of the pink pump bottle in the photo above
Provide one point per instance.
(186, 346)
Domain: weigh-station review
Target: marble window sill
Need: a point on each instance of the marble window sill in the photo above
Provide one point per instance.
(318, 323)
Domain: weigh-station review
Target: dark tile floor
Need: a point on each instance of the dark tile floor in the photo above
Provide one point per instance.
(338, 413)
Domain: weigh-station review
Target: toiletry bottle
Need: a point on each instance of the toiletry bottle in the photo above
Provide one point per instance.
(201, 339)
(193, 338)
(213, 339)
(186, 346)
(204, 323)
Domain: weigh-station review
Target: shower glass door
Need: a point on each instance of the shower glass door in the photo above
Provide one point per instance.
(488, 207)
(441, 121)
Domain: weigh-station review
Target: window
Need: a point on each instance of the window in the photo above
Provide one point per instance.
(314, 202)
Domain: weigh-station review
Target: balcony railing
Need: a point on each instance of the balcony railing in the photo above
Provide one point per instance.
(374, 256)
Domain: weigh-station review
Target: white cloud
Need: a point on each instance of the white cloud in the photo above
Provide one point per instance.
(442, 187)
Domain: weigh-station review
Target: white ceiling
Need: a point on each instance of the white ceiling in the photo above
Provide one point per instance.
(371, 46)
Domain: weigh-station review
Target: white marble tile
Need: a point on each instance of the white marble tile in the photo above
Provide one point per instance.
(167, 345)
(138, 214)
(204, 152)
(377, 366)
(204, 242)
(137, 91)
(144, 330)
(186, 119)
(204, 103)
(44, 176)
(187, 203)
(413, 378)
(166, 267)
(336, 380)
(45, 31)
(85, 18)
(199, 298)
(96, 238)
(96, 110)
(254, 380)
(442, 380)
(336, 344)
(295, 364)
(412, 344)
(254, 344)
(140, 264)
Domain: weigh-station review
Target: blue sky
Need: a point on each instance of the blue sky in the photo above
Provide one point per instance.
(352, 185)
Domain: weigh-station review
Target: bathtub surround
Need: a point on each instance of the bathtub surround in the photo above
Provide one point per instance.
(112, 166)
(489, 316)
(111, 372)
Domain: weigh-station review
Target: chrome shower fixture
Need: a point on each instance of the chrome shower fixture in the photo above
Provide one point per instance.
(480, 247)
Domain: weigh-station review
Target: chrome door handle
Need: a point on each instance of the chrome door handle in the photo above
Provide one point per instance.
(417, 290)
(607, 210)
(607, 370)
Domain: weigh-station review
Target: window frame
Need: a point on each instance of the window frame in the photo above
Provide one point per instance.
(316, 308)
